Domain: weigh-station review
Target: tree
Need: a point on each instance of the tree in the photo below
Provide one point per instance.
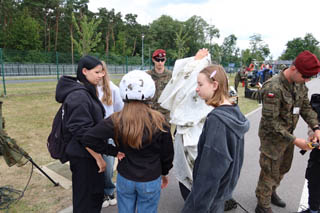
(297, 45)
(87, 33)
(196, 28)
(230, 53)
(180, 41)
(7, 10)
(110, 21)
(259, 50)
(23, 33)
(162, 33)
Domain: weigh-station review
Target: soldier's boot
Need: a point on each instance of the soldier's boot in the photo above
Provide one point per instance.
(276, 200)
(260, 209)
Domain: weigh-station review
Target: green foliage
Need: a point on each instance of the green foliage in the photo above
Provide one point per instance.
(49, 26)
(297, 45)
(89, 39)
(180, 41)
(230, 52)
(259, 50)
(23, 33)
(162, 33)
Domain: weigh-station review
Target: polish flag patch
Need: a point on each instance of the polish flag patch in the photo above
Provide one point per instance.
(270, 95)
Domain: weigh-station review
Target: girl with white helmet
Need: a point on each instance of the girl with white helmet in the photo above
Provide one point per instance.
(144, 138)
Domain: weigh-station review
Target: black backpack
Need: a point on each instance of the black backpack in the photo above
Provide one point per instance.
(56, 142)
(315, 103)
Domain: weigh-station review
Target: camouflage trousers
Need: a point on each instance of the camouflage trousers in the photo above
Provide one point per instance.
(272, 172)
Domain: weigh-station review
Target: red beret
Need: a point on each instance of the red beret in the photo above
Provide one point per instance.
(159, 53)
(307, 63)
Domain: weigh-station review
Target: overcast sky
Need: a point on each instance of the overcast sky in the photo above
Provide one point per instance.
(277, 21)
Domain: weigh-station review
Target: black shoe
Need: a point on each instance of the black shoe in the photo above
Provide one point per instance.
(230, 204)
(260, 209)
(276, 200)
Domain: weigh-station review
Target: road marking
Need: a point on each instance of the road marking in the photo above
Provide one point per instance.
(304, 197)
(253, 112)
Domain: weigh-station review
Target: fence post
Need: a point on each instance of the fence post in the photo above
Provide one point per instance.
(2, 72)
(150, 62)
(57, 62)
(126, 64)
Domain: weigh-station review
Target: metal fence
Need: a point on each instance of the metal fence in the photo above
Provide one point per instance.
(60, 69)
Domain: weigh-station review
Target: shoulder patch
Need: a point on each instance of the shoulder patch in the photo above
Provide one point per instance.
(270, 95)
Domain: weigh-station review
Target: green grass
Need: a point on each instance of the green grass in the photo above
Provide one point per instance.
(28, 110)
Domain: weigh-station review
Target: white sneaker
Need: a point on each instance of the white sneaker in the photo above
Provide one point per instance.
(105, 204)
(112, 200)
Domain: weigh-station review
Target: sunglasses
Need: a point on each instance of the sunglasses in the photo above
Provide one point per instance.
(159, 59)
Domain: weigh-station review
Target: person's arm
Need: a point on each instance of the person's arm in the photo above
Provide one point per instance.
(166, 156)
(78, 118)
(96, 138)
(212, 164)
(310, 116)
(201, 54)
(118, 103)
(99, 159)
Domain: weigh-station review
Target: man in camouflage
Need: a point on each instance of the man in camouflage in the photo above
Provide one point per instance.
(161, 77)
(285, 97)
(241, 76)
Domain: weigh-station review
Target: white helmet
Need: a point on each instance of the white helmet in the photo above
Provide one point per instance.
(137, 85)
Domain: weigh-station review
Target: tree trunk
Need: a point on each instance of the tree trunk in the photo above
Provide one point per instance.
(113, 37)
(134, 46)
(57, 31)
(45, 31)
(49, 37)
(71, 37)
(107, 42)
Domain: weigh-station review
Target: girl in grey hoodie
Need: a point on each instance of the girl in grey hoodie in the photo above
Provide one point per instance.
(220, 148)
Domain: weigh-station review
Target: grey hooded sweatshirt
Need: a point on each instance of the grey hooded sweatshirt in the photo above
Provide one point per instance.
(219, 161)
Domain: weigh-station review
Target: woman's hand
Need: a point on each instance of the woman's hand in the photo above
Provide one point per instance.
(101, 164)
(120, 155)
(99, 159)
(201, 54)
(164, 182)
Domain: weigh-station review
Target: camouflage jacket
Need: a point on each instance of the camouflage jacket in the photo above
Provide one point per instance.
(161, 80)
(282, 103)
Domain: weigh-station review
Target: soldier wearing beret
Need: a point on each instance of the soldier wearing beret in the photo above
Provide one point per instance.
(285, 98)
(161, 77)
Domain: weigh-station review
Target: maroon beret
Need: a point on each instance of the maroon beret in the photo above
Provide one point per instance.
(159, 53)
(307, 63)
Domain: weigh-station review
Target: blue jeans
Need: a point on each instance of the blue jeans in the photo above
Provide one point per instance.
(143, 196)
(109, 186)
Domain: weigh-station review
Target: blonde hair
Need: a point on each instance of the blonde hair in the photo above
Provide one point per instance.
(220, 76)
(136, 120)
(107, 93)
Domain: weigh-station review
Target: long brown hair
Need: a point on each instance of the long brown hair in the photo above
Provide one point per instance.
(221, 77)
(135, 120)
(107, 96)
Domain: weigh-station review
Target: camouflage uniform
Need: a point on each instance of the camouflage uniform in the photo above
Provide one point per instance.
(161, 80)
(280, 100)
(240, 76)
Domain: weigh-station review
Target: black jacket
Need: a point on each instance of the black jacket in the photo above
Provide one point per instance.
(219, 161)
(82, 111)
(146, 164)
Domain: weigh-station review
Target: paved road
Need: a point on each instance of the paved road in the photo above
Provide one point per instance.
(291, 188)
